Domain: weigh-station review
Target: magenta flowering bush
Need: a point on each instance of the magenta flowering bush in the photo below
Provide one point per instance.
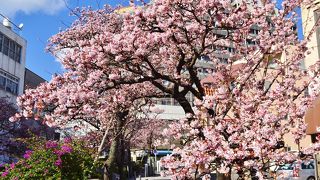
(28, 154)
(69, 159)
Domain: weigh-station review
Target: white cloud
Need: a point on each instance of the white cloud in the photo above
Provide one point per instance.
(11, 7)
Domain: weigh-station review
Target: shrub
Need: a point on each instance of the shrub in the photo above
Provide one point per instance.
(69, 159)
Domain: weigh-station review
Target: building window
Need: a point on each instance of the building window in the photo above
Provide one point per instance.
(1, 40)
(5, 45)
(165, 101)
(10, 48)
(231, 50)
(254, 31)
(17, 54)
(175, 103)
(306, 92)
(9, 83)
(12, 87)
(251, 42)
(223, 60)
(2, 82)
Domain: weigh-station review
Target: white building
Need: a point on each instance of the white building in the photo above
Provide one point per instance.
(12, 62)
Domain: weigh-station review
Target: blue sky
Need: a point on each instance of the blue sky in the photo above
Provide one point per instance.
(42, 19)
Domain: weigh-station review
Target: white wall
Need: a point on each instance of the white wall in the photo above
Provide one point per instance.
(12, 67)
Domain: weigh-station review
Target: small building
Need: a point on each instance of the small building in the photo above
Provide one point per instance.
(12, 62)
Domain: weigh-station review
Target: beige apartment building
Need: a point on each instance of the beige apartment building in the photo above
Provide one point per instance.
(310, 18)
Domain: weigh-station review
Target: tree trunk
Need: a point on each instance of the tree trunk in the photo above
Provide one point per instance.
(110, 165)
(114, 163)
(121, 158)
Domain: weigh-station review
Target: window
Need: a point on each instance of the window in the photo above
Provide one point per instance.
(2, 82)
(1, 40)
(306, 92)
(231, 49)
(10, 48)
(254, 31)
(6, 45)
(9, 83)
(175, 102)
(17, 54)
(12, 87)
(287, 148)
(205, 70)
(286, 167)
(224, 60)
(251, 42)
(204, 58)
(307, 165)
(221, 36)
(165, 101)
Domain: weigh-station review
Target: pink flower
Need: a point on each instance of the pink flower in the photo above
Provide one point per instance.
(4, 174)
(28, 154)
(12, 165)
(66, 149)
(58, 162)
(67, 140)
(51, 144)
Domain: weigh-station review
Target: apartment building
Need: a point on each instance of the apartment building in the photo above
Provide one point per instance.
(310, 17)
(12, 62)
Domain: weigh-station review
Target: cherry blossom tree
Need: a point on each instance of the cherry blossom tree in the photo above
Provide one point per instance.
(6, 127)
(10, 146)
(144, 132)
(7, 110)
(258, 93)
(67, 100)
